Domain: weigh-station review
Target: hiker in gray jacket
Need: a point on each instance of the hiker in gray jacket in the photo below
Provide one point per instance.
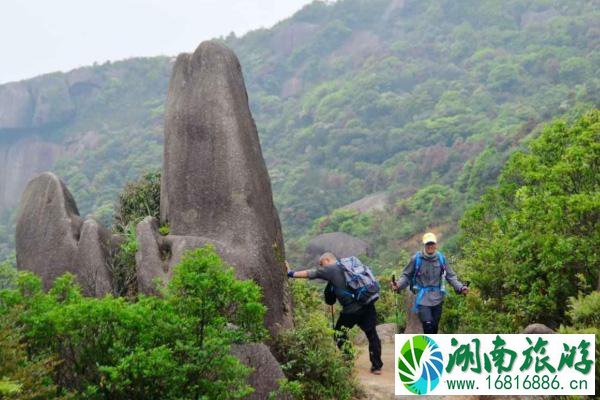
(425, 274)
(353, 313)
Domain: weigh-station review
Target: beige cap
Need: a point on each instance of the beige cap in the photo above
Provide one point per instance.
(429, 237)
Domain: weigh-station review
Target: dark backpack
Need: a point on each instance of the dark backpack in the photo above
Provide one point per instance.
(329, 294)
(361, 284)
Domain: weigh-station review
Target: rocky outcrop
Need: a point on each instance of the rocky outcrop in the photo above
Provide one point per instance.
(413, 323)
(52, 239)
(215, 186)
(375, 201)
(267, 371)
(340, 243)
(537, 328)
(386, 333)
(20, 161)
(36, 103)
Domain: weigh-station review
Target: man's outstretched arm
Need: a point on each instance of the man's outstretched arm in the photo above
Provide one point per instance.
(297, 274)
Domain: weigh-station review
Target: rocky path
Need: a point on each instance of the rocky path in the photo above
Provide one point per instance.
(379, 387)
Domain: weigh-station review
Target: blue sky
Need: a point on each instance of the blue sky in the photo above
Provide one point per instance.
(41, 36)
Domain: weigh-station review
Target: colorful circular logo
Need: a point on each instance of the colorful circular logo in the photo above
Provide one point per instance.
(420, 364)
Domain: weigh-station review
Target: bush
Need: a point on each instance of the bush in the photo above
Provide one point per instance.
(138, 200)
(8, 275)
(21, 377)
(175, 347)
(530, 244)
(585, 310)
(312, 358)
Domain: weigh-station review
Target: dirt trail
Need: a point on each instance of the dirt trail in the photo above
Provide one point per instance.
(379, 387)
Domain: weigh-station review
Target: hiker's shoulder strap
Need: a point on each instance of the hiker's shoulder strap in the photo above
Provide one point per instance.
(418, 259)
(441, 258)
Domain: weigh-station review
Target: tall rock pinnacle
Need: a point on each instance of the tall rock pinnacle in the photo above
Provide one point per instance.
(215, 184)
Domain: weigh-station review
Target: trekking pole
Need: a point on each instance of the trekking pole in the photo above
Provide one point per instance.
(332, 325)
(396, 304)
(332, 318)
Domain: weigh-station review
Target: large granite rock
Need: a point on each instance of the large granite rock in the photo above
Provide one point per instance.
(215, 183)
(413, 323)
(340, 243)
(537, 328)
(386, 333)
(267, 371)
(52, 239)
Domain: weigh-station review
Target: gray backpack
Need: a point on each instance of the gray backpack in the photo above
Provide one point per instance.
(360, 281)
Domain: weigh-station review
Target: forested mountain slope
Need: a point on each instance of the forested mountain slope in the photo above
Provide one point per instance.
(422, 100)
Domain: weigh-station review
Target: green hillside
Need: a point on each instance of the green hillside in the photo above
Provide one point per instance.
(422, 100)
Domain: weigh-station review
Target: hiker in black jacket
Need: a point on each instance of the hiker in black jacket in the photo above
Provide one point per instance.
(425, 273)
(352, 312)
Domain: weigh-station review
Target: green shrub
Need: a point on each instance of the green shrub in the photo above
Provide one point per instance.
(8, 275)
(122, 264)
(173, 347)
(138, 200)
(530, 244)
(22, 378)
(312, 359)
(584, 311)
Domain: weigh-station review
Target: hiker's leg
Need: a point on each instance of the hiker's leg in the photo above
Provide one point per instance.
(426, 319)
(368, 324)
(344, 321)
(436, 314)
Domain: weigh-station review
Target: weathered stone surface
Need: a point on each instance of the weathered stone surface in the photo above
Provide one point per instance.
(93, 251)
(385, 332)
(413, 323)
(52, 239)
(341, 244)
(215, 183)
(267, 370)
(48, 229)
(149, 262)
(375, 201)
(537, 328)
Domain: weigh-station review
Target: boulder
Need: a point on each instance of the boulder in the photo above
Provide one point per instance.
(215, 183)
(413, 323)
(340, 243)
(267, 371)
(93, 251)
(52, 239)
(148, 259)
(48, 229)
(537, 328)
(372, 202)
(386, 333)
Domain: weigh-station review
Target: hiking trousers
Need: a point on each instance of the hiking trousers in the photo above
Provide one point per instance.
(366, 319)
(430, 317)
